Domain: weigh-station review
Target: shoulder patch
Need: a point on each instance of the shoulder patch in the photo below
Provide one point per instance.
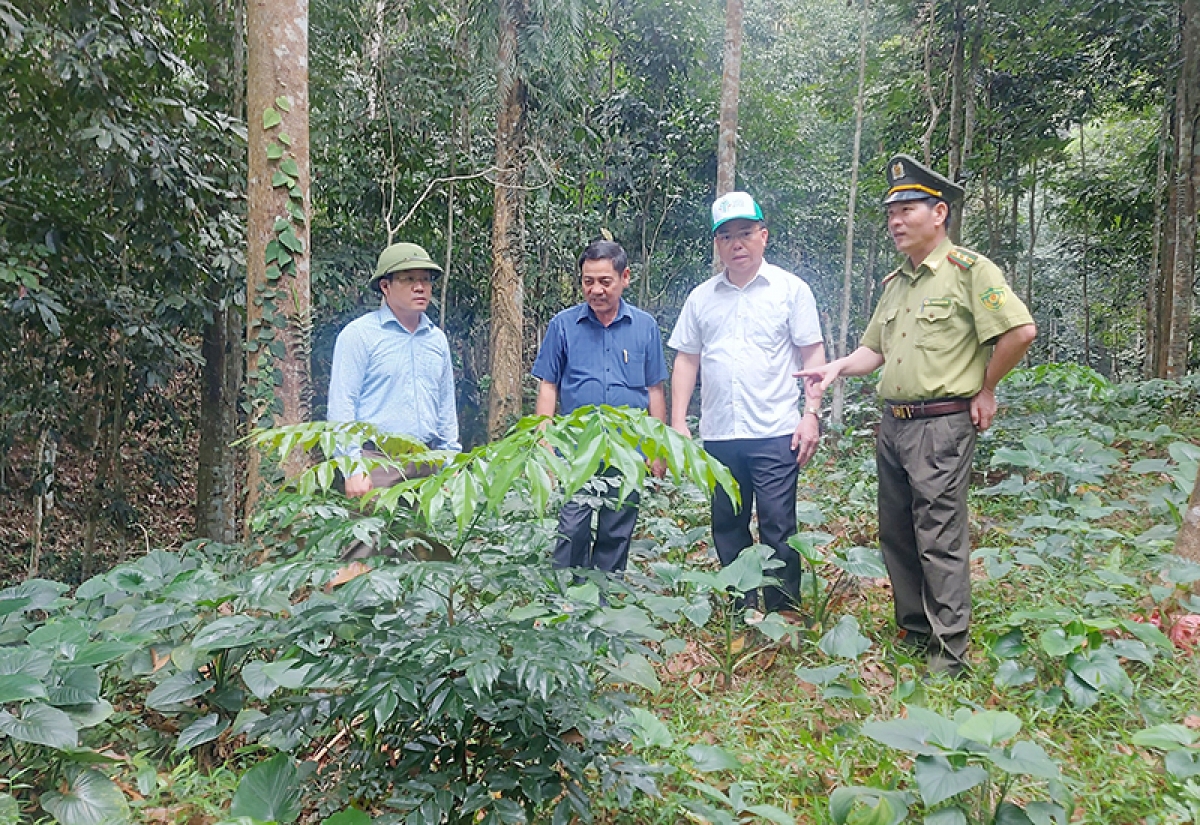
(962, 258)
(993, 299)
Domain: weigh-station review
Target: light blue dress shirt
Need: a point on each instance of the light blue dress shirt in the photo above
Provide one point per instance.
(400, 381)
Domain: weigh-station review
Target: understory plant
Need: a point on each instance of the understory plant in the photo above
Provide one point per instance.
(969, 769)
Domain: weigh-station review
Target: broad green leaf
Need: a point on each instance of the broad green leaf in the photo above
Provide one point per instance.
(177, 689)
(698, 611)
(1012, 673)
(91, 798)
(859, 805)
(1046, 813)
(1081, 694)
(819, 675)
(10, 811)
(771, 814)
(159, 617)
(843, 640)
(864, 562)
(227, 632)
(942, 731)
(88, 716)
(283, 103)
(41, 725)
(990, 727)
(274, 151)
(947, 816)
(1100, 669)
(269, 792)
(649, 731)
(635, 669)
(1025, 759)
(710, 759)
(903, 734)
(1056, 642)
(99, 653)
(1009, 814)
(1148, 634)
(1165, 737)
(270, 118)
(350, 816)
(1183, 764)
(938, 780)
(76, 686)
(17, 687)
(205, 729)
(290, 167)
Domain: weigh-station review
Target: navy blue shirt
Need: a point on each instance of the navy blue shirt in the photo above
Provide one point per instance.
(594, 364)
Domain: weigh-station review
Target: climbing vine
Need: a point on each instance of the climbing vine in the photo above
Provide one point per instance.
(267, 334)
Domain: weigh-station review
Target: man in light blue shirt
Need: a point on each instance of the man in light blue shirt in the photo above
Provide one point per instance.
(602, 351)
(392, 367)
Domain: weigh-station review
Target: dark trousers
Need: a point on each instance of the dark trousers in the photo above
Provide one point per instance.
(609, 550)
(924, 468)
(766, 472)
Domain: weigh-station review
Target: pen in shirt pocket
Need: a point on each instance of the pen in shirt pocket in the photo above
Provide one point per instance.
(625, 353)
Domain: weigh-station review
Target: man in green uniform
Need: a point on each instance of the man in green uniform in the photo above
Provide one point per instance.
(946, 330)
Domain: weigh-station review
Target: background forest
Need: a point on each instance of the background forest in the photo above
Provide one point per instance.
(192, 196)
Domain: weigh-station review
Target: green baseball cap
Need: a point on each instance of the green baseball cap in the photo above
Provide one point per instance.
(401, 256)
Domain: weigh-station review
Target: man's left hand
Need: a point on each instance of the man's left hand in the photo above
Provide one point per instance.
(806, 438)
(983, 409)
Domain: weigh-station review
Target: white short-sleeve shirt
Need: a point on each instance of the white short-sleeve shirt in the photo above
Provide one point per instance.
(748, 340)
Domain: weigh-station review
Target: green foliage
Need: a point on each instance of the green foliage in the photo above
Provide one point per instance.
(956, 757)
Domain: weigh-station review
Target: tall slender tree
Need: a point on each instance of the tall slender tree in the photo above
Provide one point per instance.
(278, 321)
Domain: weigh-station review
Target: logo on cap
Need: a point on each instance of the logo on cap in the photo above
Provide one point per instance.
(897, 170)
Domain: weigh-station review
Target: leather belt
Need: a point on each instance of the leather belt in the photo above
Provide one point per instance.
(926, 409)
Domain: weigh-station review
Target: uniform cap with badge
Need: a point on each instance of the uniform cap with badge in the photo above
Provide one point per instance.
(910, 180)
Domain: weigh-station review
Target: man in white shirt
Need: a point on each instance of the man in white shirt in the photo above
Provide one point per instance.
(746, 330)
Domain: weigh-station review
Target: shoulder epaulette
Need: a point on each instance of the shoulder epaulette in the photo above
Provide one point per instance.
(962, 258)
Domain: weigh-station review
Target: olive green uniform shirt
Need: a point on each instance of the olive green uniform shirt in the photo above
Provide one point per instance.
(935, 325)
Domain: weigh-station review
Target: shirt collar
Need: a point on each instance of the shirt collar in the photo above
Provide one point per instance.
(932, 261)
(765, 271)
(586, 313)
(385, 316)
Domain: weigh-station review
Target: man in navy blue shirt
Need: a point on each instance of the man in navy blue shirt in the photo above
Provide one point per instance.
(602, 351)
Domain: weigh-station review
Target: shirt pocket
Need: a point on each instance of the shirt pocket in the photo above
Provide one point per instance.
(936, 327)
(635, 368)
(768, 326)
(887, 330)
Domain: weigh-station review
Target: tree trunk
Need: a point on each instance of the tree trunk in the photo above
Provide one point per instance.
(1187, 543)
(731, 81)
(221, 380)
(1083, 265)
(848, 270)
(954, 138)
(278, 314)
(508, 231)
(1154, 283)
(1179, 258)
(931, 96)
(216, 510)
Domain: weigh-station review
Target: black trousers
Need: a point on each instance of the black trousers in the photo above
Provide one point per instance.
(924, 470)
(609, 549)
(766, 472)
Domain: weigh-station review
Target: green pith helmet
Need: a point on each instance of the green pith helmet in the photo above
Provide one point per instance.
(399, 257)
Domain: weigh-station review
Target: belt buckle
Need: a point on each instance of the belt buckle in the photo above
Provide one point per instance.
(902, 411)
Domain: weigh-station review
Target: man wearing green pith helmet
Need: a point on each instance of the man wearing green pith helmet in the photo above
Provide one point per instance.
(946, 330)
(392, 367)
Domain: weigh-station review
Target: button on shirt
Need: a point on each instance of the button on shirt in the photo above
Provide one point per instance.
(400, 381)
(596, 364)
(748, 339)
(934, 325)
